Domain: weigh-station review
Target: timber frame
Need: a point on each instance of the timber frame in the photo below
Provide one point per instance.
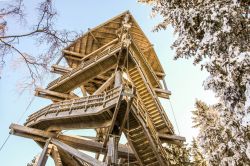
(121, 79)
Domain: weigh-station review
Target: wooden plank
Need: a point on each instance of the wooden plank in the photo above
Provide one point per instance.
(56, 156)
(99, 49)
(66, 158)
(171, 137)
(60, 69)
(88, 159)
(97, 42)
(72, 53)
(45, 93)
(84, 92)
(162, 93)
(159, 74)
(112, 157)
(118, 78)
(44, 155)
(129, 103)
(74, 141)
(15, 128)
(105, 85)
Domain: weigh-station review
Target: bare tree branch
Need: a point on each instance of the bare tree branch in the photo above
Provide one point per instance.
(43, 32)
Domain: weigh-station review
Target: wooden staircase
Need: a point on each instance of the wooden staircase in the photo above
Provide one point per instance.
(142, 146)
(148, 100)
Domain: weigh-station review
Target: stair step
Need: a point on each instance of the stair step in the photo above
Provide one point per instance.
(149, 105)
(147, 155)
(137, 80)
(144, 93)
(136, 136)
(150, 160)
(156, 123)
(141, 139)
(147, 150)
(133, 70)
(156, 118)
(161, 126)
(141, 89)
(156, 163)
(142, 145)
(134, 74)
(152, 111)
(147, 102)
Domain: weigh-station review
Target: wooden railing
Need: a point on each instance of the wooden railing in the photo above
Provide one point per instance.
(79, 103)
(85, 64)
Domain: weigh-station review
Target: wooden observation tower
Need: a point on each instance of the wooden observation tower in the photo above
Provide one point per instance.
(121, 79)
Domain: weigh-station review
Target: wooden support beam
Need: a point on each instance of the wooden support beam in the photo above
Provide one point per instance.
(99, 49)
(56, 156)
(162, 93)
(105, 85)
(118, 78)
(74, 141)
(129, 103)
(15, 128)
(110, 130)
(74, 54)
(103, 77)
(66, 158)
(171, 137)
(112, 157)
(72, 58)
(84, 92)
(88, 159)
(44, 155)
(57, 96)
(148, 48)
(90, 32)
(160, 75)
(60, 69)
(81, 57)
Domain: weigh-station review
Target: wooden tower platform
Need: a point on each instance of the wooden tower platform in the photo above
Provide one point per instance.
(121, 79)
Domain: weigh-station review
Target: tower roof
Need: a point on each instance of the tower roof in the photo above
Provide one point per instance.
(108, 31)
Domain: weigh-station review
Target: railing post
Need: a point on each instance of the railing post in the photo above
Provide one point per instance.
(118, 78)
(85, 108)
(104, 99)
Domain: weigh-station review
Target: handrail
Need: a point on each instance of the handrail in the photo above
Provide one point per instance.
(84, 64)
(69, 105)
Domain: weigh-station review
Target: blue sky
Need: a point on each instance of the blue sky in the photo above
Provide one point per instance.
(183, 79)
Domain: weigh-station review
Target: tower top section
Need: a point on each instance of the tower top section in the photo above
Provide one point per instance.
(106, 32)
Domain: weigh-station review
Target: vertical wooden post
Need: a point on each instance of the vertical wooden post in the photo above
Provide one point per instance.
(164, 84)
(112, 157)
(118, 78)
(84, 92)
(56, 156)
(44, 155)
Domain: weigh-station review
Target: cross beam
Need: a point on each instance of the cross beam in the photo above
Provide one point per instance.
(74, 141)
(56, 96)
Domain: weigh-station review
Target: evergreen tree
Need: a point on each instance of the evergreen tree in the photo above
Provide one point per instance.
(223, 139)
(215, 33)
(197, 156)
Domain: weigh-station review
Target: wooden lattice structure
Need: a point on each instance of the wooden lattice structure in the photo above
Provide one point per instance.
(121, 79)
